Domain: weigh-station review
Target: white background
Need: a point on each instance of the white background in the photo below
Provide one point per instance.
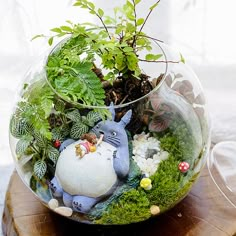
(203, 30)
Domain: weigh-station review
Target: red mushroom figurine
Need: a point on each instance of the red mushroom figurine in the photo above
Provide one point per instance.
(183, 166)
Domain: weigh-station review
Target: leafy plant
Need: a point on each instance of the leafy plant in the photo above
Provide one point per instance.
(81, 124)
(117, 42)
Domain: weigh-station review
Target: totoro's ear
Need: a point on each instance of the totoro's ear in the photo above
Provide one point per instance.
(112, 110)
(126, 118)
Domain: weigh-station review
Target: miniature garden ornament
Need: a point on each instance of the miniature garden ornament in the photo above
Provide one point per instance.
(111, 127)
(84, 181)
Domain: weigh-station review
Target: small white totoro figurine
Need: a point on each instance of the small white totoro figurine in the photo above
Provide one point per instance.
(84, 181)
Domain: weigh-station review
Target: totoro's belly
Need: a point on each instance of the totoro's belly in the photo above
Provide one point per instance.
(92, 176)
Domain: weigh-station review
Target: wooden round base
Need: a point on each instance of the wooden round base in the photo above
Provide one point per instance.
(203, 212)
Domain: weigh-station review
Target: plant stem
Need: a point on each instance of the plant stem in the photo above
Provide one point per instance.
(100, 18)
(154, 39)
(135, 24)
(143, 60)
(34, 148)
(145, 21)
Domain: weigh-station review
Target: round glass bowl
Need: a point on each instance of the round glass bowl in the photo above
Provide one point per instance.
(113, 164)
(221, 166)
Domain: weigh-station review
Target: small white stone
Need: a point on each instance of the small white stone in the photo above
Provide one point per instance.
(65, 211)
(53, 203)
(155, 210)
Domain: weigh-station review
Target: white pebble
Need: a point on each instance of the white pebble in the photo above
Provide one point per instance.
(53, 203)
(141, 144)
(65, 211)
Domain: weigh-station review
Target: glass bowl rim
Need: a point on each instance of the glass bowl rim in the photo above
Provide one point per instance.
(105, 107)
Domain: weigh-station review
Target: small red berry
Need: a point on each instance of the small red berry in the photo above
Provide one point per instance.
(183, 166)
(57, 143)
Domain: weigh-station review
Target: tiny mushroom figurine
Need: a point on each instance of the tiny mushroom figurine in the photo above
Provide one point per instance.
(183, 166)
(146, 183)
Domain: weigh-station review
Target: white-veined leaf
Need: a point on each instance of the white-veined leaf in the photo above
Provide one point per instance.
(74, 116)
(41, 141)
(93, 117)
(52, 154)
(18, 127)
(40, 168)
(77, 130)
(23, 144)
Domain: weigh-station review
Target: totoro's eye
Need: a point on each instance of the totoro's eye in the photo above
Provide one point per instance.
(113, 133)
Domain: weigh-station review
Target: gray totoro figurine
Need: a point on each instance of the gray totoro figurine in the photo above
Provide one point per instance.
(82, 182)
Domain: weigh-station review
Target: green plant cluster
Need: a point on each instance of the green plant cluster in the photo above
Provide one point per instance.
(117, 42)
(40, 119)
(133, 206)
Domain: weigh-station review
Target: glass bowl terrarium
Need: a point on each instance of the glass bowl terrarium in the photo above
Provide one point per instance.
(111, 126)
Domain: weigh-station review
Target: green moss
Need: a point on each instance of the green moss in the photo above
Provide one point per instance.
(132, 206)
(178, 141)
(169, 185)
(166, 182)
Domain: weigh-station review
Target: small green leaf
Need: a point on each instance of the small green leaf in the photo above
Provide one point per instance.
(77, 130)
(59, 105)
(137, 2)
(182, 58)
(140, 21)
(69, 22)
(87, 122)
(23, 144)
(77, 4)
(41, 141)
(52, 154)
(153, 57)
(56, 30)
(65, 130)
(38, 36)
(66, 28)
(100, 12)
(91, 5)
(40, 168)
(93, 116)
(92, 12)
(18, 127)
(25, 86)
(50, 41)
(57, 134)
(46, 105)
(74, 115)
(154, 6)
